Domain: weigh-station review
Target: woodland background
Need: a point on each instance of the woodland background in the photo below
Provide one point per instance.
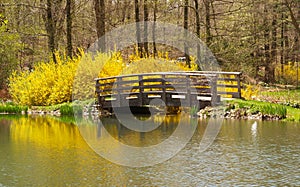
(261, 38)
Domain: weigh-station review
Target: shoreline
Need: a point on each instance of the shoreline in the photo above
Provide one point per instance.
(234, 109)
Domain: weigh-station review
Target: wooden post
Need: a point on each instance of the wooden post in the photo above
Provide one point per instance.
(119, 99)
(141, 90)
(214, 95)
(163, 96)
(97, 92)
(188, 91)
(239, 85)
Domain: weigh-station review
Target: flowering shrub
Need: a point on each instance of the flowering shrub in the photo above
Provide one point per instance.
(289, 74)
(47, 84)
(249, 92)
(51, 83)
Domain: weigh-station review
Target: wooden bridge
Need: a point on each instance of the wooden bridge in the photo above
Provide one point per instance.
(186, 89)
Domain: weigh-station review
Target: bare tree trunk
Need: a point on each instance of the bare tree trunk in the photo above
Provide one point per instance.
(146, 19)
(154, 28)
(99, 6)
(282, 59)
(207, 21)
(297, 38)
(138, 30)
(186, 25)
(198, 32)
(274, 44)
(69, 29)
(267, 46)
(51, 30)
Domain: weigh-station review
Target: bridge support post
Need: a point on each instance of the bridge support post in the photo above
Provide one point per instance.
(119, 99)
(188, 91)
(239, 85)
(214, 95)
(141, 90)
(163, 95)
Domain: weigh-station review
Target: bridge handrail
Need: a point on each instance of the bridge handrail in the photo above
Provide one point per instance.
(215, 72)
(159, 73)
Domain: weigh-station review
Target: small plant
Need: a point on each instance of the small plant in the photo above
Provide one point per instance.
(66, 109)
(69, 109)
(194, 110)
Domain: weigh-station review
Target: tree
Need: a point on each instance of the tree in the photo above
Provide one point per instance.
(138, 30)
(186, 25)
(99, 6)
(154, 28)
(69, 28)
(197, 12)
(207, 21)
(146, 19)
(51, 29)
(295, 17)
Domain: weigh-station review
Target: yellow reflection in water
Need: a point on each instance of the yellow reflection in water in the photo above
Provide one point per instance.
(47, 132)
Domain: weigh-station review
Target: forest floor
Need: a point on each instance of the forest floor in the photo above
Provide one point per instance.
(281, 96)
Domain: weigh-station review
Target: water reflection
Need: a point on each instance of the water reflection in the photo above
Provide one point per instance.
(124, 146)
(39, 151)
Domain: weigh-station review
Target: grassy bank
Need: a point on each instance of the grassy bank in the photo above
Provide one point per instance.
(64, 109)
(287, 113)
(11, 108)
(282, 111)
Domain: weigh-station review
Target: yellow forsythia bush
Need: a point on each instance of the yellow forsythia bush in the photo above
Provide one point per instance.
(289, 74)
(250, 92)
(92, 66)
(47, 84)
(74, 79)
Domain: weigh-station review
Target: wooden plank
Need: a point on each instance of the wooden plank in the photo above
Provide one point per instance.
(227, 79)
(233, 94)
(227, 86)
(239, 87)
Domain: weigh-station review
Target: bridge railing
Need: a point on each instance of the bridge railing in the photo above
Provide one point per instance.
(174, 89)
(228, 83)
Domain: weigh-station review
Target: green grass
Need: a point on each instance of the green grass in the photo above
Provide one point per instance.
(293, 114)
(11, 108)
(290, 113)
(287, 97)
(69, 109)
(66, 109)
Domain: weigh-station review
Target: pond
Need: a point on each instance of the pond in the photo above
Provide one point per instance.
(44, 151)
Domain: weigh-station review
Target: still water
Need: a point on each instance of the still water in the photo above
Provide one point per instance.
(43, 151)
